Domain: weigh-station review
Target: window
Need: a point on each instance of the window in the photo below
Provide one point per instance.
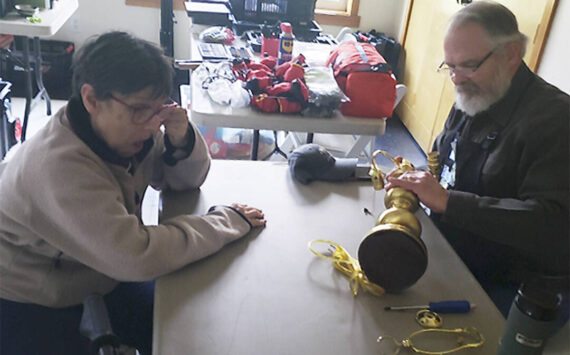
(177, 4)
(334, 5)
(337, 12)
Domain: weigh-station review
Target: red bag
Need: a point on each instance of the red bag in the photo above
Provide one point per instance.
(365, 77)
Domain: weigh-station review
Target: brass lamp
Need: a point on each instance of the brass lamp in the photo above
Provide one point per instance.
(392, 254)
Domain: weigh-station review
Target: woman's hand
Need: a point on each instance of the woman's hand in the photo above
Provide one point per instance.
(175, 123)
(253, 215)
(425, 186)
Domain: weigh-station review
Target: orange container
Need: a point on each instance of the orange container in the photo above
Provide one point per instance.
(269, 46)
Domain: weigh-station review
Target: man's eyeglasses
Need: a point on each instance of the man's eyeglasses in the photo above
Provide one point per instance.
(464, 70)
(142, 114)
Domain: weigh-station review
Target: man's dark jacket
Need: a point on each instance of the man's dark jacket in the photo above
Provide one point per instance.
(508, 212)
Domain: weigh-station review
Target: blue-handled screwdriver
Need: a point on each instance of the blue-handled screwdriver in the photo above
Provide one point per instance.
(438, 307)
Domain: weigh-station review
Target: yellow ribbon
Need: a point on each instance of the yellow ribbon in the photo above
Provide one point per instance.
(349, 266)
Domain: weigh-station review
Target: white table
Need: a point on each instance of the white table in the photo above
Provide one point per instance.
(268, 294)
(51, 22)
(204, 111)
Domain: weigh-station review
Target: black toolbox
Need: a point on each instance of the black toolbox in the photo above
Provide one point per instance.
(56, 67)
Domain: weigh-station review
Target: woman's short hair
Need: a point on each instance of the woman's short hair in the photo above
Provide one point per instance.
(497, 20)
(120, 62)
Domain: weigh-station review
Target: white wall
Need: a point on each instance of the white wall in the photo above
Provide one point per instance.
(381, 15)
(554, 66)
(95, 17)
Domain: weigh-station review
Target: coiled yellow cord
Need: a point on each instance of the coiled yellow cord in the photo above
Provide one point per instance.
(349, 266)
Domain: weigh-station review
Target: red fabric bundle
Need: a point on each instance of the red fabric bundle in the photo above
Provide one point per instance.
(269, 95)
(265, 103)
(268, 61)
(364, 76)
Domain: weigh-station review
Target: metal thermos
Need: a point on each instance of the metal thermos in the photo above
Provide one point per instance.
(532, 319)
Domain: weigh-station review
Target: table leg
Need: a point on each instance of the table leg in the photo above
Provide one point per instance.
(28, 84)
(255, 144)
(276, 148)
(39, 76)
(4, 136)
(360, 145)
(42, 92)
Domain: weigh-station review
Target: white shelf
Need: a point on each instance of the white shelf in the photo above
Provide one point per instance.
(51, 20)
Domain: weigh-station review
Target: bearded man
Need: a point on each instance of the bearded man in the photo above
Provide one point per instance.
(502, 200)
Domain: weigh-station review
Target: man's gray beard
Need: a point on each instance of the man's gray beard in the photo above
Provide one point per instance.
(470, 99)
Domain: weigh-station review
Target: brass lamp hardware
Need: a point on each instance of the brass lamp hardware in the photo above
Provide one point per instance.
(434, 164)
(429, 319)
(465, 338)
(392, 254)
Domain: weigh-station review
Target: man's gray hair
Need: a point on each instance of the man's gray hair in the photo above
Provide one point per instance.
(498, 21)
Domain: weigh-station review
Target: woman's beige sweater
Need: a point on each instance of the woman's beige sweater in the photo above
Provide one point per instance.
(70, 221)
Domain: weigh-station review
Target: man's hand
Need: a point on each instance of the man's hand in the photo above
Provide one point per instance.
(175, 123)
(253, 215)
(425, 186)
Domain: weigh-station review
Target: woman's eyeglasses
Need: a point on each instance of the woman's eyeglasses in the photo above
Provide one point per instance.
(142, 114)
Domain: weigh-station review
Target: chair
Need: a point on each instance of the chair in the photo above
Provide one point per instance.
(345, 34)
(96, 326)
(401, 90)
(361, 142)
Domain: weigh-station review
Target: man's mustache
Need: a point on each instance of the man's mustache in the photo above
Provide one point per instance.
(467, 88)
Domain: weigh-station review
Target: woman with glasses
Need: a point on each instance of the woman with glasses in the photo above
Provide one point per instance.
(70, 202)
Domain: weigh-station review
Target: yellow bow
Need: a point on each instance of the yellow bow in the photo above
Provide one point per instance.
(349, 266)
